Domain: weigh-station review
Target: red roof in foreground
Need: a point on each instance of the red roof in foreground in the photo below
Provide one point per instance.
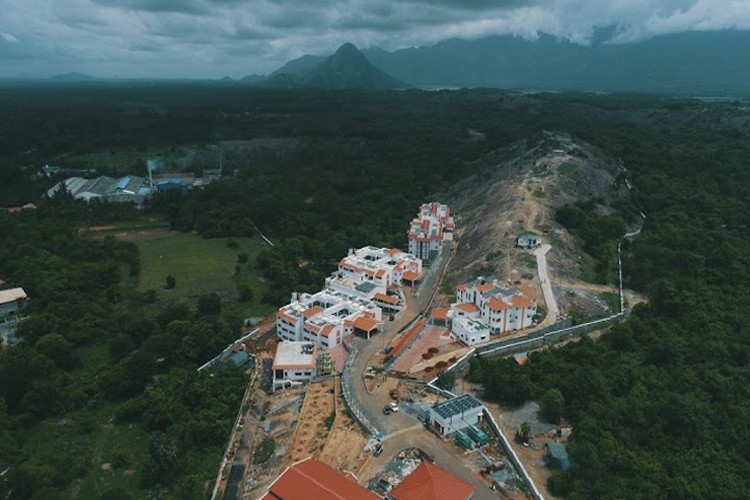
(311, 479)
(430, 482)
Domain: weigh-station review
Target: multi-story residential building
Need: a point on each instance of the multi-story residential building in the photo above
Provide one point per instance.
(369, 271)
(353, 300)
(429, 230)
(483, 306)
(326, 318)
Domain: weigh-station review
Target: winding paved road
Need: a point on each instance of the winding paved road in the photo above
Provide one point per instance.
(401, 430)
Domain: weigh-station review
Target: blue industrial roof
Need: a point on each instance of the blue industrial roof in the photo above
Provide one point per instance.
(454, 406)
(123, 183)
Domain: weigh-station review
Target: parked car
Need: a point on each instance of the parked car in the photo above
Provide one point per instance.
(393, 407)
(387, 409)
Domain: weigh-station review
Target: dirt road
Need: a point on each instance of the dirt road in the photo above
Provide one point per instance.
(549, 298)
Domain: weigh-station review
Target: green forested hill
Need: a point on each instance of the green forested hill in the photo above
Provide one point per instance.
(660, 405)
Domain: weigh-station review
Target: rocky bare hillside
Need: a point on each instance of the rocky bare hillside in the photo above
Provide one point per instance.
(518, 189)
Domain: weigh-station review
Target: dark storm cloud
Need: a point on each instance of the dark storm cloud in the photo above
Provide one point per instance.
(157, 6)
(205, 38)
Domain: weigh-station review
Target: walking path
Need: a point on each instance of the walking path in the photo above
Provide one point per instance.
(549, 298)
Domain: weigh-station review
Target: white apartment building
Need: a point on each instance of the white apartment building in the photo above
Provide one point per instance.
(326, 318)
(353, 300)
(382, 267)
(427, 232)
(295, 362)
(486, 302)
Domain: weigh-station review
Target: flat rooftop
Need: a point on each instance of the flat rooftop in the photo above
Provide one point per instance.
(290, 355)
(12, 295)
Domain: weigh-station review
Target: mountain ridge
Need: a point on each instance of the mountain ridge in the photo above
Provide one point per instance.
(688, 62)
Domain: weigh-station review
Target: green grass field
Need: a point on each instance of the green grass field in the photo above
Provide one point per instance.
(199, 265)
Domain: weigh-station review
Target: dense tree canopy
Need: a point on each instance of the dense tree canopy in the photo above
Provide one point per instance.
(659, 404)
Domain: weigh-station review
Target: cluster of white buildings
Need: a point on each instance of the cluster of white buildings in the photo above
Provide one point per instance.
(429, 230)
(353, 300)
(484, 307)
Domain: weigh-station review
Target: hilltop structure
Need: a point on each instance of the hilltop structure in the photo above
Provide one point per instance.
(484, 307)
(429, 230)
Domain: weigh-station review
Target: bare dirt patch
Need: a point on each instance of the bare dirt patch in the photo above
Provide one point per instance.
(311, 432)
(343, 448)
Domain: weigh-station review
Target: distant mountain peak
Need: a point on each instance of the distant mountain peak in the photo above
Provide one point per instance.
(347, 48)
(347, 68)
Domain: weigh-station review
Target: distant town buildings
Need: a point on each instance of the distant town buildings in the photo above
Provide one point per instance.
(484, 306)
(429, 230)
(131, 188)
(294, 362)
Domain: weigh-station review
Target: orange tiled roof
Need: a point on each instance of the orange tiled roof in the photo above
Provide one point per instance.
(312, 479)
(440, 313)
(410, 275)
(468, 307)
(388, 299)
(365, 323)
(484, 288)
(312, 311)
(430, 482)
(496, 304)
(521, 302)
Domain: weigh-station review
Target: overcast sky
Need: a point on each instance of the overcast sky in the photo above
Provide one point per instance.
(213, 38)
